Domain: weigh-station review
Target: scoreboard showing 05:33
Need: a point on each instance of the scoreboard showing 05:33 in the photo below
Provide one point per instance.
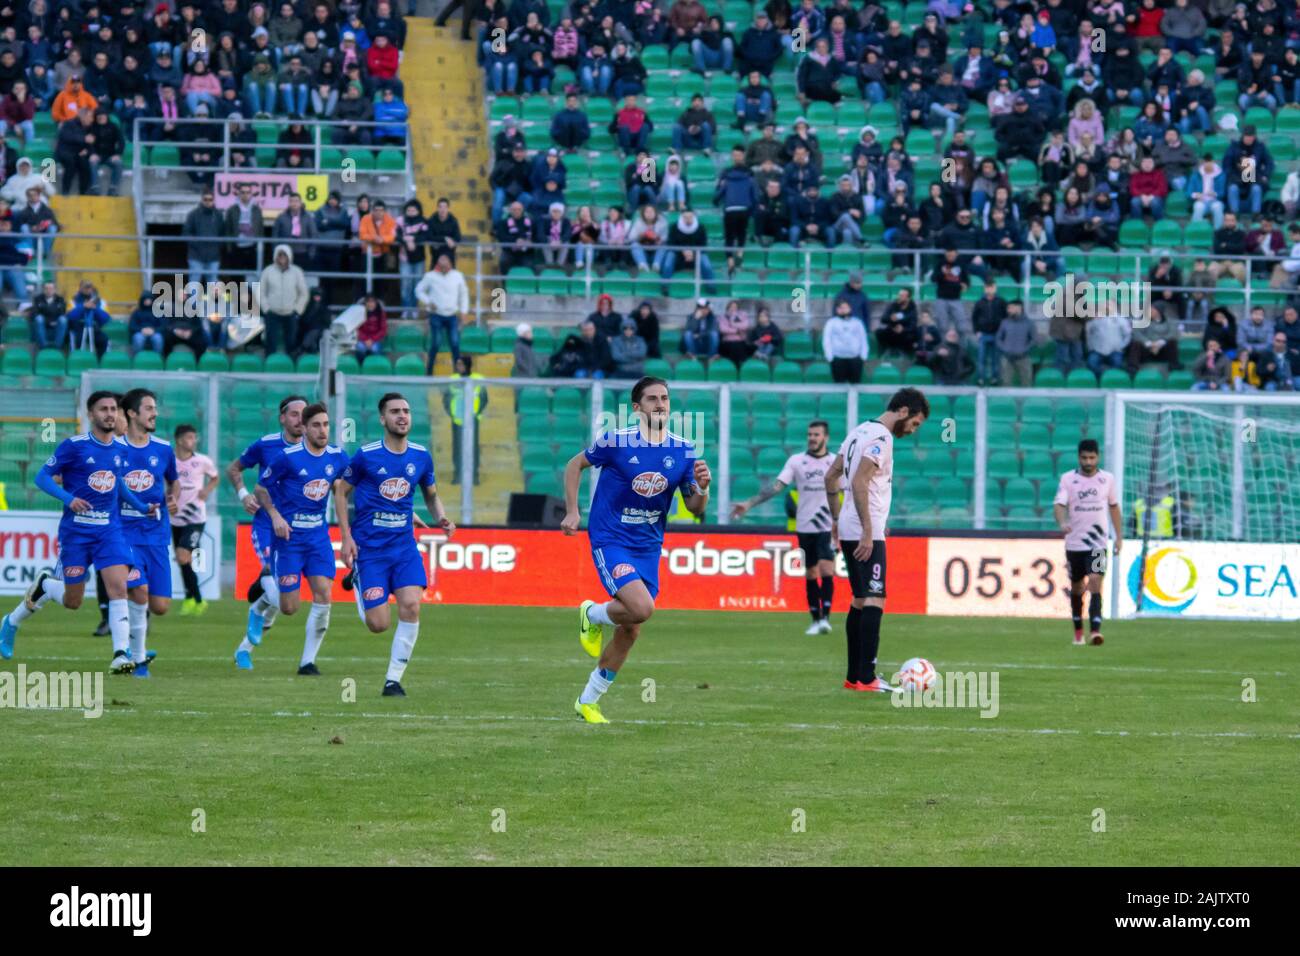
(997, 577)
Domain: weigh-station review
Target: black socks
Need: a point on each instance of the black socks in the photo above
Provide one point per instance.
(813, 593)
(869, 629)
(851, 630)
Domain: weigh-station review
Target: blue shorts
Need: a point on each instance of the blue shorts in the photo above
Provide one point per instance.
(152, 567)
(310, 555)
(618, 566)
(80, 548)
(381, 571)
(263, 539)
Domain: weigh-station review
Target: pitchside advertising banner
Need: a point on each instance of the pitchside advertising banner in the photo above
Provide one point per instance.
(965, 577)
(29, 544)
(1204, 579)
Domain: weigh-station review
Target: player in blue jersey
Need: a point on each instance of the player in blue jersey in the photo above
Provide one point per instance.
(264, 595)
(294, 492)
(151, 476)
(91, 468)
(641, 469)
(380, 540)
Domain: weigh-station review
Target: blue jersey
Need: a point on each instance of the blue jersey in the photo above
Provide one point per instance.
(90, 470)
(148, 469)
(258, 455)
(385, 485)
(635, 488)
(299, 483)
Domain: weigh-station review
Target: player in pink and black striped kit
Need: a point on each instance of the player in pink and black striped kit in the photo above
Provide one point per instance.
(1087, 500)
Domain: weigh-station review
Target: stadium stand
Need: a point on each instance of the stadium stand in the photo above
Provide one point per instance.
(815, 208)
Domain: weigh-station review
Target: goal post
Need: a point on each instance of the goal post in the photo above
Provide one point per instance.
(1209, 488)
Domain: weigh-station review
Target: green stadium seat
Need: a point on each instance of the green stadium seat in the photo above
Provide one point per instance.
(1049, 376)
(818, 373)
(50, 362)
(150, 361)
(474, 340)
(756, 370)
(659, 368)
(180, 360)
(81, 361)
(115, 360)
(245, 362)
(214, 361)
(799, 347)
(278, 363)
(689, 370)
(1149, 376)
(1003, 464)
(409, 365)
(347, 364)
(1116, 378)
(377, 365)
(786, 372)
(886, 373)
(1081, 378)
(1019, 492)
(308, 364)
(918, 375)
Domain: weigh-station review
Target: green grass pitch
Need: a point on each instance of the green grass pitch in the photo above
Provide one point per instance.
(485, 763)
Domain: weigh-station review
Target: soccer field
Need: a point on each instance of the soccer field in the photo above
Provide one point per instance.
(747, 727)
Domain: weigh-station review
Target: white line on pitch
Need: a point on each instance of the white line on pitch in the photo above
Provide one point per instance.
(731, 724)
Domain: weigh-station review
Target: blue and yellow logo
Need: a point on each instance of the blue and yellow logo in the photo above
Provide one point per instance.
(1168, 584)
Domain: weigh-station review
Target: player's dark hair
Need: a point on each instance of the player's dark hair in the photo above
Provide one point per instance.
(912, 399)
(289, 400)
(131, 401)
(99, 396)
(1089, 444)
(185, 428)
(639, 388)
(824, 426)
(311, 411)
(390, 397)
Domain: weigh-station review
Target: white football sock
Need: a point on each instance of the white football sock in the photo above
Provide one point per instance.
(52, 589)
(263, 607)
(271, 613)
(20, 613)
(119, 624)
(271, 596)
(597, 684)
(245, 645)
(139, 619)
(599, 614)
(318, 620)
(403, 643)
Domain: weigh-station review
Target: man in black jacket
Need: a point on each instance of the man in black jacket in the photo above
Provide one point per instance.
(203, 228)
(988, 314)
(1019, 133)
(49, 317)
(444, 232)
(72, 149)
(106, 151)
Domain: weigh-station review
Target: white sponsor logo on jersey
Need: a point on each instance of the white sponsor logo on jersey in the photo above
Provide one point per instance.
(649, 483)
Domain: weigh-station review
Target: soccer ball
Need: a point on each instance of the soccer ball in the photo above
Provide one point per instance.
(916, 675)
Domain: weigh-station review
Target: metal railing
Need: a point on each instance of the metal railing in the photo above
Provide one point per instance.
(143, 129)
(810, 264)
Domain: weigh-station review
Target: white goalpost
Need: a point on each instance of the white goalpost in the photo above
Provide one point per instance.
(1210, 492)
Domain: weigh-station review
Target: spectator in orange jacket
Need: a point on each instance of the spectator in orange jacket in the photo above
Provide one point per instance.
(379, 232)
(72, 100)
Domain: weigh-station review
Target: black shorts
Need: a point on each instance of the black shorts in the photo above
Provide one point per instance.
(1085, 563)
(816, 547)
(866, 578)
(187, 536)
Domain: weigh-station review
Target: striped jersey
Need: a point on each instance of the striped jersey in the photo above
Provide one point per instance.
(807, 474)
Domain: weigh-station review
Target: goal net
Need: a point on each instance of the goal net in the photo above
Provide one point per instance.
(1203, 468)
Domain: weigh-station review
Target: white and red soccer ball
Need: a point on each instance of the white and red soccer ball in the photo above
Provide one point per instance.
(916, 674)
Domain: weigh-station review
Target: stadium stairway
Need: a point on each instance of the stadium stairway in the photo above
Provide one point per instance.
(499, 463)
(449, 129)
(100, 216)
